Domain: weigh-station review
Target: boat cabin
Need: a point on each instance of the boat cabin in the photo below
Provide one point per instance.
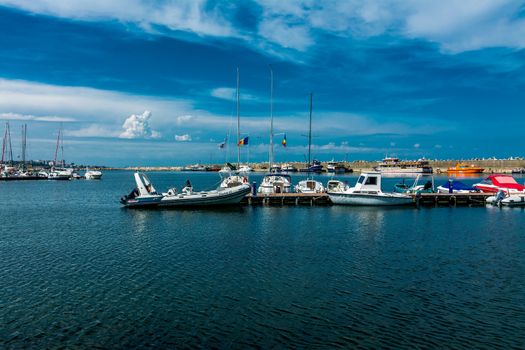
(368, 183)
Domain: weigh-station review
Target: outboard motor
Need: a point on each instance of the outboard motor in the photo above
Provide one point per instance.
(499, 197)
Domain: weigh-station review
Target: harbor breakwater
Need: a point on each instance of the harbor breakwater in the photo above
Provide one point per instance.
(439, 166)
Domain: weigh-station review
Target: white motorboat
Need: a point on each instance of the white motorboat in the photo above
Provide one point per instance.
(288, 168)
(367, 191)
(496, 182)
(189, 197)
(275, 168)
(245, 169)
(234, 181)
(145, 195)
(336, 186)
(275, 183)
(225, 169)
(309, 186)
(93, 174)
(60, 174)
(503, 198)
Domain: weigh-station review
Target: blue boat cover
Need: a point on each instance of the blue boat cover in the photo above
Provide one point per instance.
(458, 186)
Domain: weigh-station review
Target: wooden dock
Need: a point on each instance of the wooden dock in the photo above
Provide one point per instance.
(322, 199)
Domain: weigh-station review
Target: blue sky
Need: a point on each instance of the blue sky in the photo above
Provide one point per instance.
(153, 82)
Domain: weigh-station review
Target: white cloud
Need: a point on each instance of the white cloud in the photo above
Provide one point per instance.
(93, 130)
(196, 16)
(84, 105)
(28, 117)
(137, 126)
(183, 138)
(229, 94)
(455, 26)
(184, 119)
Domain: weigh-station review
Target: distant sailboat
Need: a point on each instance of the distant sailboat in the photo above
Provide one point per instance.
(60, 173)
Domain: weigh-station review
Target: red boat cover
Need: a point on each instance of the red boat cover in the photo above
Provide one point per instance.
(505, 181)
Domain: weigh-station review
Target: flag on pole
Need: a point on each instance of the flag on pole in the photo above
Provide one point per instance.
(283, 142)
(243, 141)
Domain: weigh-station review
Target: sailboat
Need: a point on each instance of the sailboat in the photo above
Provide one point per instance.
(310, 185)
(60, 173)
(274, 182)
(236, 179)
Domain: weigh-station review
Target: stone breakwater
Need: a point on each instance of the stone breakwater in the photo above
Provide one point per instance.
(439, 166)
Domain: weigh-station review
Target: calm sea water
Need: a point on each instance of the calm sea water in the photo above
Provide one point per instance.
(79, 271)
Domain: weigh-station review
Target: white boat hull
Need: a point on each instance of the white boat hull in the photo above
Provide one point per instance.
(95, 175)
(225, 196)
(365, 199)
(510, 201)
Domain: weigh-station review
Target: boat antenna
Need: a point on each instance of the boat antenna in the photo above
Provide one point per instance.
(238, 123)
(271, 120)
(310, 133)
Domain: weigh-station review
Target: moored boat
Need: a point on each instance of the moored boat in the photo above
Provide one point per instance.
(309, 186)
(455, 186)
(275, 183)
(462, 168)
(394, 165)
(367, 192)
(494, 183)
(502, 198)
(93, 174)
(288, 168)
(145, 195)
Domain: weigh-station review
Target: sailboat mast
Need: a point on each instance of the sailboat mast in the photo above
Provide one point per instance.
(24, 144)
(238, 122)
(62, 147)
(3, 143)
(271, 119)
(56, 149)
(10, 145)
(310, 133)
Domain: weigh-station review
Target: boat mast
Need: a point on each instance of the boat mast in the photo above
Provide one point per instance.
(271, 120)
(238, 124)
(3, 143)
(24, 145)
(10, 145)
(62, 146)
(310, 133)
(56, 148)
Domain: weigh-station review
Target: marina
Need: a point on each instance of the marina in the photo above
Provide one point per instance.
(259, 174)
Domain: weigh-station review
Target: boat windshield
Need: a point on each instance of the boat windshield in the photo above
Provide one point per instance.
(361, 179)
(372, 180)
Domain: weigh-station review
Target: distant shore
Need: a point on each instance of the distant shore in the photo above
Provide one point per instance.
(439, 166)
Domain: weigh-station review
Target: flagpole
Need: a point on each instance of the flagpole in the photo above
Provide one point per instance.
(238, 123)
